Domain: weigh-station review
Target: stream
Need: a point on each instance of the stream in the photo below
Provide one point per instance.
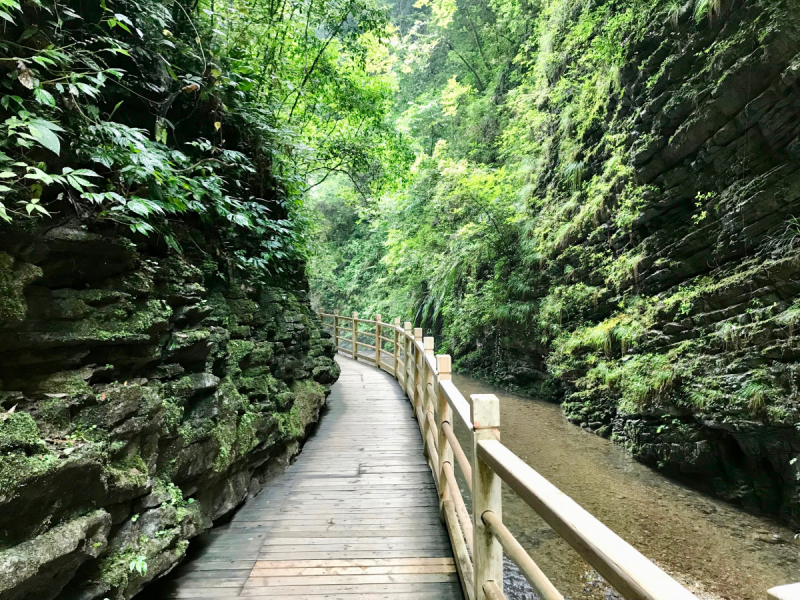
(711, 547)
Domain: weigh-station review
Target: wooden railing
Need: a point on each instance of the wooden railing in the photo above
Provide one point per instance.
(479, 540)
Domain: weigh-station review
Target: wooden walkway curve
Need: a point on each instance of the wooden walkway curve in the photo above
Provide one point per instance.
(356, 517)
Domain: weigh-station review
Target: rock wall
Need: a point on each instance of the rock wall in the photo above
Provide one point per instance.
(144, 394)
(714, 142)
(674, 262)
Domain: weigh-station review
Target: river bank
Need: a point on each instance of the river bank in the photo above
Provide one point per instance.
(716, 549)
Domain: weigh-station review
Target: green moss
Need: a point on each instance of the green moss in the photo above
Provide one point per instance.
(757, 393)
(173, 415)
(225, 433)
(308, 397)
(55, 412)
(19, 431)
(69, 309)
(13, 279)
(185, 339)
(115, 568)
(645, 379)
(128, 472)
(247, 432)
(238, 350)
(263, 353)
(124, 320)
(195, 430)
(17, 468)
(71, 383)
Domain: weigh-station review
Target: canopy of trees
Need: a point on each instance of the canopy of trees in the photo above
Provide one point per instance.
(152, 113)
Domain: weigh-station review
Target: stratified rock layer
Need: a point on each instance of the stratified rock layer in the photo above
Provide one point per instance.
(672, 267)
(144, 396)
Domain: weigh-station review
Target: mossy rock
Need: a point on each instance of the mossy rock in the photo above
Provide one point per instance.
(14, 276)
(19, 431)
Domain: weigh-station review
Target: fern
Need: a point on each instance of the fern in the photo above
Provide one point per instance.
(675, 9)
(706, 9)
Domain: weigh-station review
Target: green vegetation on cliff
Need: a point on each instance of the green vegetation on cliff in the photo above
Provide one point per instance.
(602, 211)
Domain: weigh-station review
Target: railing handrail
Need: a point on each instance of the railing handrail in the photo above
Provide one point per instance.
(436, 401)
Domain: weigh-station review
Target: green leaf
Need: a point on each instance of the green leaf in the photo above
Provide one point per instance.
(87, 89)
(76, 181)
(43, 132)
(35, 206)
(43, 61)
(143, 228)
(39, 175)
(46, 138)
(139, 207)
(44, 97)
(41, 123)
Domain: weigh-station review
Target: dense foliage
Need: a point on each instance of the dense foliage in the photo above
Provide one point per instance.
(498, 100)
(521, 228)
(156, 114)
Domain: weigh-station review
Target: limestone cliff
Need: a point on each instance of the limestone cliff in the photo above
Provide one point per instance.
(144, 395)
(669, 243)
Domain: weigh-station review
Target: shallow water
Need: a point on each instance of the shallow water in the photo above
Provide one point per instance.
(715, 549)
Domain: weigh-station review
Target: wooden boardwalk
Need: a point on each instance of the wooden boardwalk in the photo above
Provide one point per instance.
(355, 518)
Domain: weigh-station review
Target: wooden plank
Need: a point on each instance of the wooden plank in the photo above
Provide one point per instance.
(378, 545)
(415, 542)
(321, 580)
(380, 518)
(278, 553)
(429, 592)
(432, 589)
(364, 562)
(312, 571)
(358, 533)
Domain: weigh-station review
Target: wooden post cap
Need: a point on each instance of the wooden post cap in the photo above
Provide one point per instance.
(355, 315)
(397, 322)
(377, 317)
(407, 326)
(443, 366)
(336, 312)
(785, 592)
(418, 334)
(484, 411)
(427, 344)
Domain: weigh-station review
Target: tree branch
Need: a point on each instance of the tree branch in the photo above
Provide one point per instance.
(481, 87)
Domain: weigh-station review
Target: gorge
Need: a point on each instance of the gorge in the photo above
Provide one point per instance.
(595, 203)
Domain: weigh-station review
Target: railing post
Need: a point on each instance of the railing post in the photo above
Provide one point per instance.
(355, 336)
(336, 329)
(417, 383)
(445, 416)
(487, 553)
(407, 347)
(378, 341)
(396, 346)
(427, 401)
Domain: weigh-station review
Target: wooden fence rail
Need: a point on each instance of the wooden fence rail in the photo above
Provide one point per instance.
(478, 539)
